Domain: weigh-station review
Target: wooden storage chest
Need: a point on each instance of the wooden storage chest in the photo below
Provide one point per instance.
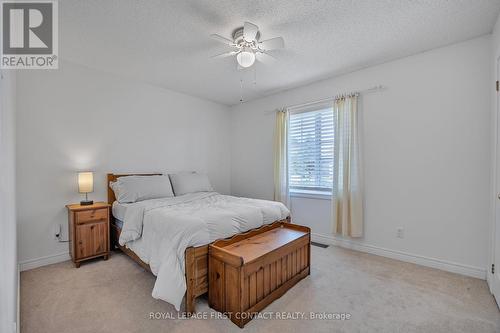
(249, 271)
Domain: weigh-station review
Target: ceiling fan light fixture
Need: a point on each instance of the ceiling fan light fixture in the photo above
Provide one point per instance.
(246, 58)
(247, 46)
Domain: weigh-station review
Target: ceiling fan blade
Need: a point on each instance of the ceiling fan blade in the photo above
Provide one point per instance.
(266, 58)
(223, 55)
(272, 44)
(250, 31)
(223, 40)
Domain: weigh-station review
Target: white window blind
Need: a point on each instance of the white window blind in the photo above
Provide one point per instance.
(310, 150)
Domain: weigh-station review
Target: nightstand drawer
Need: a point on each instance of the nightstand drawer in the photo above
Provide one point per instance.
(91, 215)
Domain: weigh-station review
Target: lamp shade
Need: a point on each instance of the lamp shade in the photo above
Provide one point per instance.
(85, 182)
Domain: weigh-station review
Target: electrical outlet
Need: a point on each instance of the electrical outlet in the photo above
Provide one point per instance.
(57, 230)
(400, 233)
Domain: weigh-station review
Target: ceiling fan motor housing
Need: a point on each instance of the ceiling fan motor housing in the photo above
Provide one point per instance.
(239, 40)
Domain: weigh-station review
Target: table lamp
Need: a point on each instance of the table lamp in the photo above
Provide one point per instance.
(86, 185)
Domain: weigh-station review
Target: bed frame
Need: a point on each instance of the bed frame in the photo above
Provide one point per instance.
(196, 258)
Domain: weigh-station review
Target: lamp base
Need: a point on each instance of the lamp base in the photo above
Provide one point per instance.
(86, 202)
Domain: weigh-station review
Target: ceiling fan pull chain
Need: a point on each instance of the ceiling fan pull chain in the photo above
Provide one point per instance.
(241, 90)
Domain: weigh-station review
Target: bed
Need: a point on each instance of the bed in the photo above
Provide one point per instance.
(195, 257)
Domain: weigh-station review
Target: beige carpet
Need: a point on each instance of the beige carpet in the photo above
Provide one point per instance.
(381, 295)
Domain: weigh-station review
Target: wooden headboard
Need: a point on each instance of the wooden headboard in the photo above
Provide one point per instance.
(111, 177)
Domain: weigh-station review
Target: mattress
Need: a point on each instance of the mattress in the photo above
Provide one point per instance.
(118, 210)
(118, 223)
(158, 231)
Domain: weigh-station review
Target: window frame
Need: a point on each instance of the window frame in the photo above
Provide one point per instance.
(303, 192)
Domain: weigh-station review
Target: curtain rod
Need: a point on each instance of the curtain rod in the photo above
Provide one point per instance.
(372, 89)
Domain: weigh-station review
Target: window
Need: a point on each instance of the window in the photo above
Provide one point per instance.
(310, 150)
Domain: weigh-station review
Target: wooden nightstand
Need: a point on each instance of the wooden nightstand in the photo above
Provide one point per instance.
(88, 228)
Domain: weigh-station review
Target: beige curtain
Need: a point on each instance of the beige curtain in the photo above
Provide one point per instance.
(281, 192)
(347, 194)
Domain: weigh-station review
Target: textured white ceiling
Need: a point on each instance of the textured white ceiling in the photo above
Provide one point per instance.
(166, 43)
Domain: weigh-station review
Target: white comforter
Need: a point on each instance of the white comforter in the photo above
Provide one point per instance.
(160, 230)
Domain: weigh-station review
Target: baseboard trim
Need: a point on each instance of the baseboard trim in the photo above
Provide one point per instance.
(444, 265)
(17, 324)
(43, 261)
(325, 239)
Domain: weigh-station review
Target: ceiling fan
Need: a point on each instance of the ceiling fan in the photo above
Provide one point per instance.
(247, 47)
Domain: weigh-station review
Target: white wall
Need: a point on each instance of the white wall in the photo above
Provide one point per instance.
(427, 149)
(8, 251)
(495, 54)
(427, 155)
(75, 119)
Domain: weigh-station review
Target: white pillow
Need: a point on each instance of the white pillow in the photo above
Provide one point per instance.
(190, 182)
(137, 188)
